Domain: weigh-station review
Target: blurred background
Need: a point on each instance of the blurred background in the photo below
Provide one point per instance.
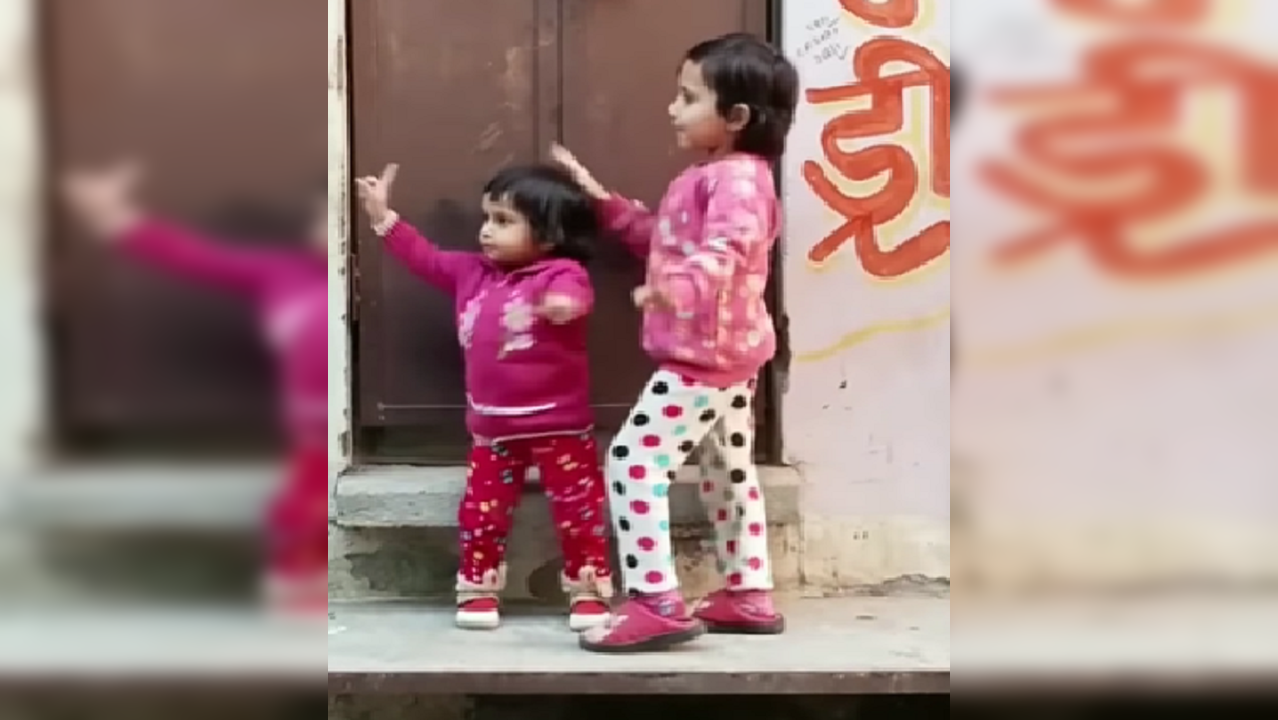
(134, 398)
(1114, 287)
(140, 439)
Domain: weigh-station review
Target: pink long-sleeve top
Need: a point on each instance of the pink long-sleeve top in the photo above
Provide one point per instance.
(708, 250)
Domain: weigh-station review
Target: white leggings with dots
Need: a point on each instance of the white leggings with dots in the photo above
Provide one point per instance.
(672, 417)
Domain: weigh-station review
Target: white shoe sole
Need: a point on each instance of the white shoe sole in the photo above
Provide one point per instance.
(478, 620)
(581, 623)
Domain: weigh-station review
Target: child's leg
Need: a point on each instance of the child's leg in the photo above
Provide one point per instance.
(574, 484)
(735, 500)
(716, 497)
(745, 541)
(671, 417)
(493, 488)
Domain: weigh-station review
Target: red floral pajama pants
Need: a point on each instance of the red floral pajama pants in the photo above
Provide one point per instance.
(573, 482)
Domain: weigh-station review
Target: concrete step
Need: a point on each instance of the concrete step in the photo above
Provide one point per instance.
(402, 496)
(832, 646)
(393, 534)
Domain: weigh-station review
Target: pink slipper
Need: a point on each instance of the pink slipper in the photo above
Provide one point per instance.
(646, 624)
(745, 612)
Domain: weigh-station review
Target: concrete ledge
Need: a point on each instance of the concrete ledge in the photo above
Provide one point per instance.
(832, 646)
(141, 497)
(406, 496)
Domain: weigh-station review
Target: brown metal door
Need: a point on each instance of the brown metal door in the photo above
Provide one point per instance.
(224, 101)
(454, 91)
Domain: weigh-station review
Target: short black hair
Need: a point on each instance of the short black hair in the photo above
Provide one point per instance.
(560, 213)
(741, 69)
(956, 91)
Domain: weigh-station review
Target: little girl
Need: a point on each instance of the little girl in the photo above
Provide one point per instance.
(289, 291)
(707, 325)
(522, 304)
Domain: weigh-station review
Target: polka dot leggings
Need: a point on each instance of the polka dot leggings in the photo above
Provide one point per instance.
(672, 417)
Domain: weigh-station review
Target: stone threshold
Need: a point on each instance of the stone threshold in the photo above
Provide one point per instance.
(407, 496)
(832, 646)
(162, 497)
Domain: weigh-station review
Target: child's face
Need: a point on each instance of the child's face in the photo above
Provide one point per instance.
(506, 237)
(697, 123)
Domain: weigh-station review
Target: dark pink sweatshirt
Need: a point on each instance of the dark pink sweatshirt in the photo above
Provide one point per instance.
(289, 291)
(525, 376)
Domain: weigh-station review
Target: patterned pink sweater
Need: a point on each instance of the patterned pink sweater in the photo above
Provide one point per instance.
(708, 248)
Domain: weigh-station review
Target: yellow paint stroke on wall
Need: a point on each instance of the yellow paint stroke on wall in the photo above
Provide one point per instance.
(863, 335)
(1122, 332)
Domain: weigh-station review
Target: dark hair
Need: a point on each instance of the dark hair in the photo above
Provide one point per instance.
(956, 91)
(558, 210)
(741, 69)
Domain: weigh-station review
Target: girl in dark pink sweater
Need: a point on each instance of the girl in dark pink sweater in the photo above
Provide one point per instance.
(522, 304)
(289, 291)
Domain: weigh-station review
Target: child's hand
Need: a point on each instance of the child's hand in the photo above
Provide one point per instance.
(646, 296)
(374, 193)
(104, 199)
(568, 161)
(558, 308)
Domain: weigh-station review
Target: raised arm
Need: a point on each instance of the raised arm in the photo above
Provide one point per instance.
(103, 199)
(442, 269)
(186, 253)
(630, 221)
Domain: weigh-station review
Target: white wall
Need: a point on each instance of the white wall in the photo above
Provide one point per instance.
(866, 411)
(1120, 427)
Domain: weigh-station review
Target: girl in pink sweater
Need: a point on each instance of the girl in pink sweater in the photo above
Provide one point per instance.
(522, 304)
(706, 323)
(288, 290)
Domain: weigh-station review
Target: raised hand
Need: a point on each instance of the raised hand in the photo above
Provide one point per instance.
(104, 198)
(565, 159)
(374, 193)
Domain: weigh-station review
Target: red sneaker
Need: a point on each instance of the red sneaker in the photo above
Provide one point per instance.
(587, 599)
(479, 614)
(744, 612)
(478, 606)
(644, 624)
(586, 614)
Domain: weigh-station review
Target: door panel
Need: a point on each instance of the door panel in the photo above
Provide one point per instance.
(449, 90)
